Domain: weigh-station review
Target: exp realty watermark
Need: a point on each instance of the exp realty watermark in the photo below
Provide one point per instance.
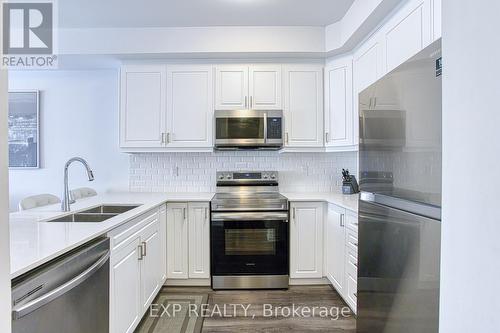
(244, 310)
(29, 38)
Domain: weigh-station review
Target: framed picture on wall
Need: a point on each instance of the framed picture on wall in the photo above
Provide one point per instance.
(24, 129)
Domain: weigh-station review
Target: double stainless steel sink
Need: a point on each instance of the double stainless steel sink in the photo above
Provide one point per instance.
(95, 214)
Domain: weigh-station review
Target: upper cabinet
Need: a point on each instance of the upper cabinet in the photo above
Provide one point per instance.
(255, 87)
(189, 106)
(166, 106)
(407, 32)
(436, 19)
(142, 106)
(339, 115)
(303, 105)
(231, 87)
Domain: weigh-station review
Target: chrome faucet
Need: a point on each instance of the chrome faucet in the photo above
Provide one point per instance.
(67, 200)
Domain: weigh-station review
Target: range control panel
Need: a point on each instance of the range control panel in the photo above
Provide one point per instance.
(246, 176)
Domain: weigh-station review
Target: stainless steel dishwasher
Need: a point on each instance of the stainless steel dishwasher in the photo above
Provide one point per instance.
(67, 295)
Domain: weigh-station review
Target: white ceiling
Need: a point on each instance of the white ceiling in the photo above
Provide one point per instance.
(190, 13)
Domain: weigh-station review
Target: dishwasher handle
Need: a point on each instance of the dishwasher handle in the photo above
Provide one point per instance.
(23, 310)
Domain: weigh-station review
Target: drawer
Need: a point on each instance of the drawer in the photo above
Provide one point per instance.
(120, 235)
(351, 240)
(351, 221)
(352, 291)
(351, 264)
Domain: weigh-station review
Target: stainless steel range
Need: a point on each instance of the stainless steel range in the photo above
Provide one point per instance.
(249, 232)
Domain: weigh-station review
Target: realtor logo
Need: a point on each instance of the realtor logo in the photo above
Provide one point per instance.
(28, 34)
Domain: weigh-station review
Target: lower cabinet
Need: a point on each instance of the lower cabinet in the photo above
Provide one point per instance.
(188, 240)
(306, 240)
(341, 252)
(335, 246)
(125, 288)
(136, 272)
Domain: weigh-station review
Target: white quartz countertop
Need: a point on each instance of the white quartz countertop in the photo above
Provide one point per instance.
(349, 202)
(34, 242)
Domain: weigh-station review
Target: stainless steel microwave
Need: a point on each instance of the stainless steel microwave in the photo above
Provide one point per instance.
(248, 129)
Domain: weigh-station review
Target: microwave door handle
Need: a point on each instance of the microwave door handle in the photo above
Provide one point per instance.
(265, 127)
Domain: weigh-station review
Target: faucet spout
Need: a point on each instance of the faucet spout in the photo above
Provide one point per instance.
(67, 201)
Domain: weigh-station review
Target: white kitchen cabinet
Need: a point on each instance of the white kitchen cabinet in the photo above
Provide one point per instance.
(303, 105)
(163, 237)
(199, 240)
(255, 87)
(125, 289)
(142, 105)
(135, 270)
(407, 32)
(339, 112)
(265, 87)
(436, 19)
(335, 249)
(151, 264)
(351, 259)
(231, 87)
(189, 106)
(177, 241)
(306, 240)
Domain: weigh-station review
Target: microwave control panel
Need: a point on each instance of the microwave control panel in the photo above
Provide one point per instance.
(274, 128)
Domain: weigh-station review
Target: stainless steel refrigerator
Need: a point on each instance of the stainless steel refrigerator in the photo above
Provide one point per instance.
(400, 201)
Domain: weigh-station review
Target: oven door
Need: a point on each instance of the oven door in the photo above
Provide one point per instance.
(249, 243)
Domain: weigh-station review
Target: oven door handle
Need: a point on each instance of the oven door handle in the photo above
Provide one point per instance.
(253, 216)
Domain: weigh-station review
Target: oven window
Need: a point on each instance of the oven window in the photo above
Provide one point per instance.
(240, 128)
(245, 242)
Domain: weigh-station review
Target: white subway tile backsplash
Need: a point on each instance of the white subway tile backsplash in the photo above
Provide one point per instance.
(195, 172)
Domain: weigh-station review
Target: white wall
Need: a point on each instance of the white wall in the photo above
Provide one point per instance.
(191, 172)
(5, 315)
(470, 270)
(79, 117)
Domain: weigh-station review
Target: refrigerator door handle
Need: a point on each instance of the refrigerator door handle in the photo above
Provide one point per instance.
(411, 207)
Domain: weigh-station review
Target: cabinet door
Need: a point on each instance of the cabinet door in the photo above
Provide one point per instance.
(199, 240)
(177, 241)
(231, 87)
(163, 239)
(125, 288)
(265, 87)
(436, 18)
(150, 262)
(407, 33)
(339, 113)
(142, 106)
(303, 89)
(306, 240)
(335, 247)
(189, 106)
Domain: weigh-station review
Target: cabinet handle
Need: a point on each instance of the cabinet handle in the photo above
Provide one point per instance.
(206, 213)
(168, 137)
(184, 213)
(286, 137)
(143, 247)
(162, 138)
(342, 220)
(245, 102)
(139, 247)
(251, 102)
(327, 137)
(293, 213)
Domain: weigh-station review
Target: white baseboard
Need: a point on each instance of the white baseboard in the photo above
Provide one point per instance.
(305, 282)
(187, 282)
